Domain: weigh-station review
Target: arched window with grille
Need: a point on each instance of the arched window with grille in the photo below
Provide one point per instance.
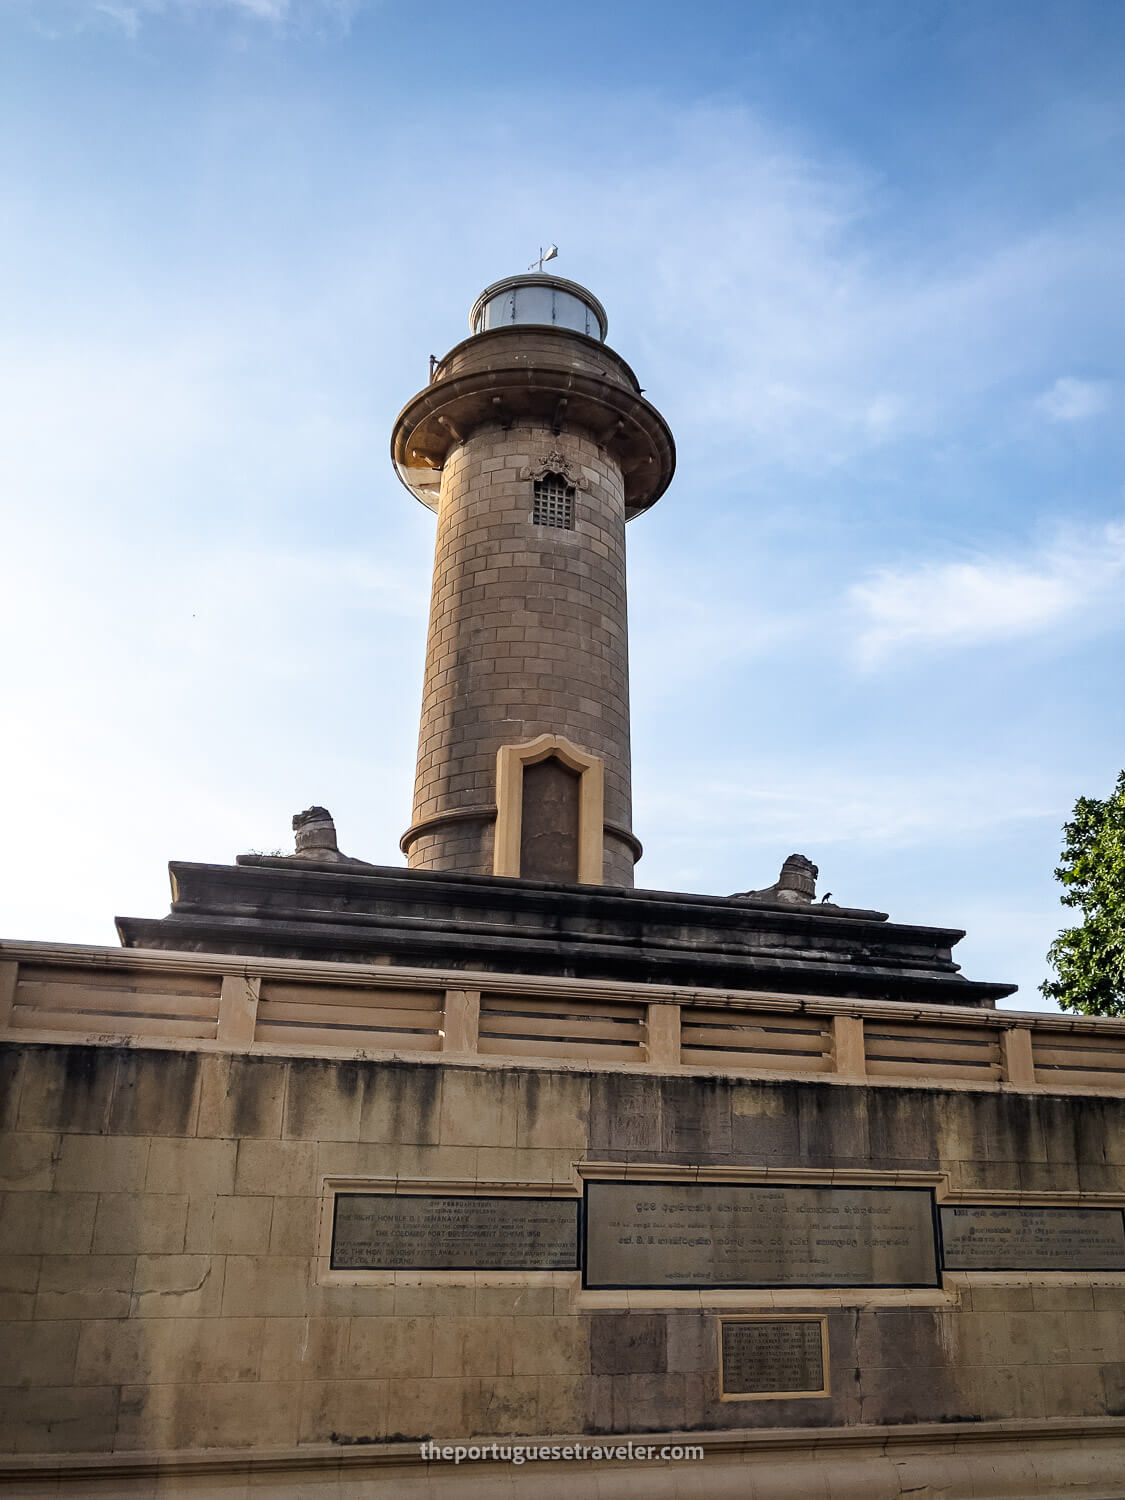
(553, 503)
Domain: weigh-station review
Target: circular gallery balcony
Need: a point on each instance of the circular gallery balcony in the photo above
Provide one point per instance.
(536, 356)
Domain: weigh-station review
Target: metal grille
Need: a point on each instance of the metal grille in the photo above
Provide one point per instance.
(554, 502)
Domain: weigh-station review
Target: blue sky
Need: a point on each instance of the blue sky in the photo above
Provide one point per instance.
(867, 260)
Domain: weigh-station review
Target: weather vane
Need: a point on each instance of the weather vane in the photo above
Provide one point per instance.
(548, 254)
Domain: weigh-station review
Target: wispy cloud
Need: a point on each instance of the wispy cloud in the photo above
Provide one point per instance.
(283, 614)
(1073, 400)
(779, 310)
(762, 802)
(990, 599)
(681, 631)
(64, 17)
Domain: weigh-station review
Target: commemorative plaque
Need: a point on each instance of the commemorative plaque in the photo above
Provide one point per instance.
(772, 1357)
(427, 1232)
(977, 1237)
(713, 1234)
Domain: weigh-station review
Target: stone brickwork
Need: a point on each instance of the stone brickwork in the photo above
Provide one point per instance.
(159, 1284)
(527, 636)
(540, 348)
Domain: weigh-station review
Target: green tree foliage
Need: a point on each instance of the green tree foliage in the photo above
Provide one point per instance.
(1090, 960)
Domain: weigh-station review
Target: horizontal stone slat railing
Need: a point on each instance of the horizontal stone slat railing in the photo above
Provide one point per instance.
(133, 997)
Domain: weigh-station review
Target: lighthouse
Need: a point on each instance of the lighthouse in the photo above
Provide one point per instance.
(534, 445)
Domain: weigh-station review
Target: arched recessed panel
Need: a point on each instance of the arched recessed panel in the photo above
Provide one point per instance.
(547, 843)
(549, 825)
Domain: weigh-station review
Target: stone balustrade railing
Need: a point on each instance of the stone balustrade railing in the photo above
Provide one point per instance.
(110, 996)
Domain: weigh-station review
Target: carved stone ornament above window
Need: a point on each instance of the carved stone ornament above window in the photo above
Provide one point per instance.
(556, 463)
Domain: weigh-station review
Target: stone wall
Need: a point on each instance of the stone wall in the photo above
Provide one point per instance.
(158, 1240)
(527, 636)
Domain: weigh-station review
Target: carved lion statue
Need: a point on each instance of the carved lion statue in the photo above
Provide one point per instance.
(795, 886)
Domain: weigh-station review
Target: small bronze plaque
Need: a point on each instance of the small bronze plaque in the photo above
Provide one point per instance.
(977, 1237)
(772, 1357)
(424, 1232)
(662, 1234)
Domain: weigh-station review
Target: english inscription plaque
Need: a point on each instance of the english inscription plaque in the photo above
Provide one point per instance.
(977, 1237)
(424, 1232)
(714, 1234)
(772, 1356)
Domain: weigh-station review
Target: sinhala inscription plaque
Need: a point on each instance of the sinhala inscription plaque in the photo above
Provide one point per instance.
(760, 1357)
(978, 1237)
(741, 1235)
(431, 1232)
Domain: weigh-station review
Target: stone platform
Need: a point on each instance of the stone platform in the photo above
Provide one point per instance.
(357, 913)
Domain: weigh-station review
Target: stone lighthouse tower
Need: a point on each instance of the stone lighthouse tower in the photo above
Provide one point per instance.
(534, 445)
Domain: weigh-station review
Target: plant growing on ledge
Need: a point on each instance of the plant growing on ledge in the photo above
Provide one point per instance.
(1090, 960)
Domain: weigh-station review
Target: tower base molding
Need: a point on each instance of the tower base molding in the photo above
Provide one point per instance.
(958, 1460)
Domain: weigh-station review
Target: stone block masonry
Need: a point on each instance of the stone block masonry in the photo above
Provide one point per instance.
(527, 636)
(162, 1284)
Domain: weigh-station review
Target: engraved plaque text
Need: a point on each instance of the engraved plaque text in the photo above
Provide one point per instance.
(769, 1356)
(423, 1232)
(711, 1234)
(977, 1237)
